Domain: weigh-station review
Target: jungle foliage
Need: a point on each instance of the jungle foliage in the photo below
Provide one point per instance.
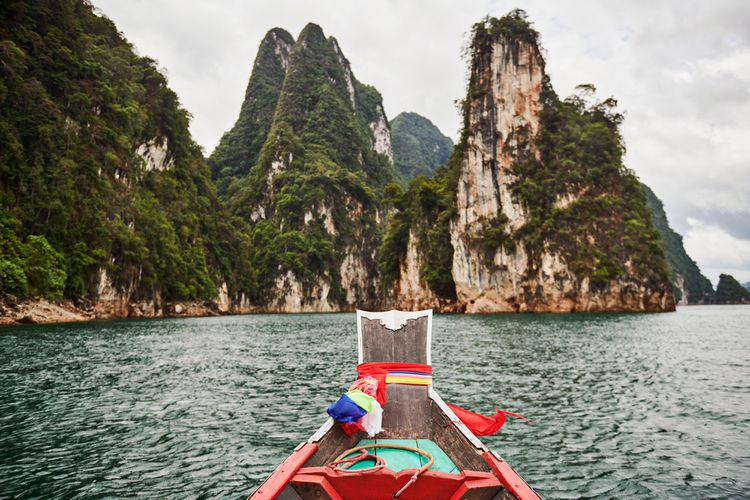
(419, 147)
(76, 102)
(239, 148)
(605, 231)
(423, 211)
(729, 291)
(697, 286)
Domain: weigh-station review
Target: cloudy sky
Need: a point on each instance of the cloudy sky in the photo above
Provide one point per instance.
(680, 70)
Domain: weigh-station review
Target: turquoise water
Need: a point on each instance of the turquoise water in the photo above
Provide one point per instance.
(647, 406)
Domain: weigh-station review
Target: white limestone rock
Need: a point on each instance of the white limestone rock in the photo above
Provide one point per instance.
(155, 154)
(382, 135)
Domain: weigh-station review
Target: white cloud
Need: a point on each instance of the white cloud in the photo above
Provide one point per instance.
(718, 251)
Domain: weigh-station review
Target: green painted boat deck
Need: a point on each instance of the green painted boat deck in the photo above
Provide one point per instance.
(397, 460)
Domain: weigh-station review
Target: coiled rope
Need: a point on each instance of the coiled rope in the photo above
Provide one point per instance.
(342, 464)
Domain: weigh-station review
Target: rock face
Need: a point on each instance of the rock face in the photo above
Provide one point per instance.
(155, 154)
(311, 197)
(528, 234)
(381, 134)
(502, 119)
(41, 311)
(238, 149)
(411, 292)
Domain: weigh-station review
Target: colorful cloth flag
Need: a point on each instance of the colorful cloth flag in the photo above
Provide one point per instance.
(361, 399)
(345, 410)
(367, 393)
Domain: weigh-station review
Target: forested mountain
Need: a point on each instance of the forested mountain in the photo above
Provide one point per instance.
(313, 195)
(689, 285)
(419, 147)
(729, 291)
(104, 196)
(238, 149)
(103, 193)
(535, 210)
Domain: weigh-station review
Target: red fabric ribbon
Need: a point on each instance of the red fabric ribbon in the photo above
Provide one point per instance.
(379, 371)
(350, 428)
(480, 425)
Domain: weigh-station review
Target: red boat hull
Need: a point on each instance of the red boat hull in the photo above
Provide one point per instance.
(324, 482)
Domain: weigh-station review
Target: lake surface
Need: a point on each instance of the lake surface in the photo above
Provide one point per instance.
(647, 405)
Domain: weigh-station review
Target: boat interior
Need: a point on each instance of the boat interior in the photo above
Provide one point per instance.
(414, 416)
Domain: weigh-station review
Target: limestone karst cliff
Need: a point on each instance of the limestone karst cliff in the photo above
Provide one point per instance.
(104, 197)
(535, 210)
(238, 149)
(417, 151)
(107, 201)
(312, 198)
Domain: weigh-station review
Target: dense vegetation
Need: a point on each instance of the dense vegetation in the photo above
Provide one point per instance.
(729, 291)
(318, 156)
(697, 286)
(301, 186)
(604, 234)
(76, 198)
(75, 104)
(239, 148)
(424, 210)
(419, 147)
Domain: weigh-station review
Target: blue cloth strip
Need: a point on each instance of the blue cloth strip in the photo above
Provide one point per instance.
(345, 410)
(411, 374)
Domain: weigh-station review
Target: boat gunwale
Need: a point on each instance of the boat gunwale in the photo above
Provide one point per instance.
(474, 461)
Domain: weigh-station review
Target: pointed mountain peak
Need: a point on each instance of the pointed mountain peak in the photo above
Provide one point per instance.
(274, 47)
(239, 148)
(278, 43)
(313, 194)
(311, 35)
(279, 34)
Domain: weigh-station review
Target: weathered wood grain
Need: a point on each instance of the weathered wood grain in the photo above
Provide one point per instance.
(331, 445)
(406, 414)
(406, 345)
(454, 444)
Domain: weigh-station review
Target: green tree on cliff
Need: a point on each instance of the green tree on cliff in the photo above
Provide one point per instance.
(76, 104)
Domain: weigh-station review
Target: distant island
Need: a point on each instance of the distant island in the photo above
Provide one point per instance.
(729, 291)
(419, 148)
(314, 200)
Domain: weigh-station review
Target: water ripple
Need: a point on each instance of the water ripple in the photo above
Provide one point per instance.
(636, 406)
